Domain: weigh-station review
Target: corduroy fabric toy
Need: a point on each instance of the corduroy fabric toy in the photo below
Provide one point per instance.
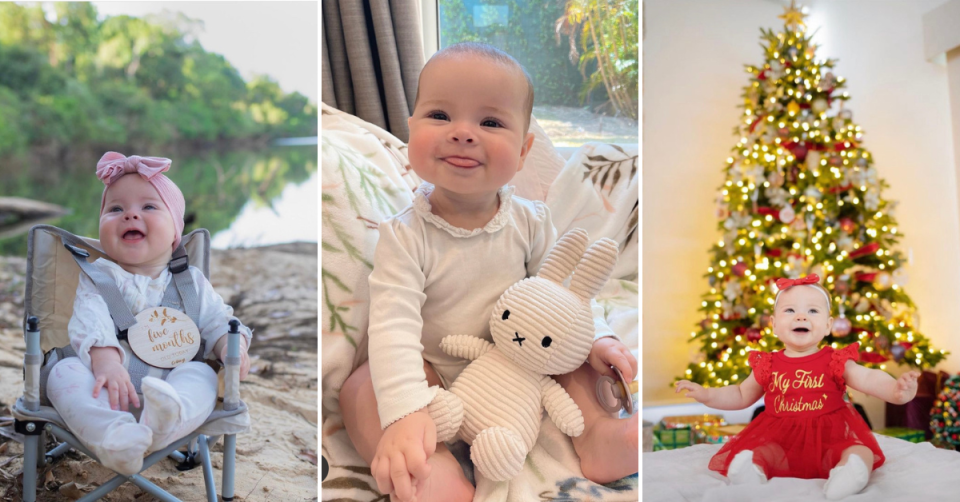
(540, 328)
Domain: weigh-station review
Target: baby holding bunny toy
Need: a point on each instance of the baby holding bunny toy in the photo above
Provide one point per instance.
(807, 430)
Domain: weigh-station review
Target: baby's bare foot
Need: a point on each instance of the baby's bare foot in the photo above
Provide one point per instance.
(446, 482)
(608, 449)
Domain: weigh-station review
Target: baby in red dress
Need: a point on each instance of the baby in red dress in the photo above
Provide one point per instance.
(807, 429)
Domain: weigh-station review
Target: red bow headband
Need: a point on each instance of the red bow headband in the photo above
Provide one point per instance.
(784, 283)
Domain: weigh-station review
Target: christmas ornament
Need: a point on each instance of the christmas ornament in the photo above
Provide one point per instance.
(847, 225)
(793, 108)
(705, 324)
(882, 343)
(819, 105)
(754, 334)
(740, 269)
(841, 326)
(766, 321)
(776, 179)
(829, 80)
(882, 281)
(787, 214)
(897, 351)
(845, 114)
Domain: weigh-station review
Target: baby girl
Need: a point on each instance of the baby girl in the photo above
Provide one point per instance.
(440, 266)
(807, 429)
(141, 221)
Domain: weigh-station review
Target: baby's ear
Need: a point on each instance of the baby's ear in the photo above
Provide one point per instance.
(563, 258)
(594, 269)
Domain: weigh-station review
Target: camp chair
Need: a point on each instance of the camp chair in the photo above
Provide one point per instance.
(52, 277)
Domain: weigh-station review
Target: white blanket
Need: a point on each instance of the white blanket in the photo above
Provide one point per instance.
(911, 472)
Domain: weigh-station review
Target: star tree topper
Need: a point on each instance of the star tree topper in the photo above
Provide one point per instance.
(792, 16)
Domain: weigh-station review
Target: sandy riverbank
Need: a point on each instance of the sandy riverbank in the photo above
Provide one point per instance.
(274, 290)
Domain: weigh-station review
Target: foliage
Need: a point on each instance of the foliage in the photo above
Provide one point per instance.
(801, 196)
(608, 34)
(74, 80)
(528, 36)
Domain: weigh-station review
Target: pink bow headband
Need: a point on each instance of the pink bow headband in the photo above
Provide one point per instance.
(114, 165)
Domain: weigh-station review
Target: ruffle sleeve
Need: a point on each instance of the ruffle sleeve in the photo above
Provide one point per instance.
(839, 359)
(760, 364)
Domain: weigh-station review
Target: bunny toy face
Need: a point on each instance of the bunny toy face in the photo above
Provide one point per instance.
(548, 328)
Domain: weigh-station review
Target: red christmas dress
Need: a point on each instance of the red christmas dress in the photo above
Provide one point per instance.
(806, 424)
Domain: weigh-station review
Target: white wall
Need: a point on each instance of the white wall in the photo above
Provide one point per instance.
(694, 52)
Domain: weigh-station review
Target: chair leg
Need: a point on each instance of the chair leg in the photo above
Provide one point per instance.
(229, 463)
(42, 450)
(208, 481)
(30, 468)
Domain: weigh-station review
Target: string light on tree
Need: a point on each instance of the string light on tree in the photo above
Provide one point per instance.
(802, 196)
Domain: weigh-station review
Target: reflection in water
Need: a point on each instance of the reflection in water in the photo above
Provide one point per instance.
(217, 186)
(292, 217)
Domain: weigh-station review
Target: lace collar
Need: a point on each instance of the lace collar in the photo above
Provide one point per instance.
(117, 271)
(421, 204)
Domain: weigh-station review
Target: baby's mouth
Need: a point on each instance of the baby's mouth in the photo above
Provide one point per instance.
(462, 161)
(133, 235)
(801, 330)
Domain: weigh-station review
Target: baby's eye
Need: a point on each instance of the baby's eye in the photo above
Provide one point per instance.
(788, 310)
(437, 116)
(814, 311)
(490, 123)
(149, 206)
(114, 209)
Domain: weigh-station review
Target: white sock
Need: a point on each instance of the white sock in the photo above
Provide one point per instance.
(847, 479)
(123, 447)
(743, 471)
(162, 411)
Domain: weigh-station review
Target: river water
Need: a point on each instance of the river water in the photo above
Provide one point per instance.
(243, 197)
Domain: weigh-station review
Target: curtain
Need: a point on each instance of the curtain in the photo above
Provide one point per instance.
(372, 57)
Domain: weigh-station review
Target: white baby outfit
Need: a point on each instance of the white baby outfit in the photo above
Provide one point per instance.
(171, 408)
(431, 280)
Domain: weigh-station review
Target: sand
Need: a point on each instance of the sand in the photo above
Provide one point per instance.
(273, 290)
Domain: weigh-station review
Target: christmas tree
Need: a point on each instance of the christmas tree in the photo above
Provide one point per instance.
(943, 417)
(802, 197)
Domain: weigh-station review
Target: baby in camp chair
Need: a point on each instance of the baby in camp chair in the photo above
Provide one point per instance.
(141, 221)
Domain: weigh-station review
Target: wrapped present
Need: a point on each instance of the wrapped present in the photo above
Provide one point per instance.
(904, 433)
(717, 434)
(678, 431)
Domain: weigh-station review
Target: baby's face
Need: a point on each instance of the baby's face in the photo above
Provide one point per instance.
(136, 228)
(466, 133)
(802, 318)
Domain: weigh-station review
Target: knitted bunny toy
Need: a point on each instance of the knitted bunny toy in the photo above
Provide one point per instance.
(541, 328)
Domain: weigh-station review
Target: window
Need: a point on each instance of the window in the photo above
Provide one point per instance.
(571, 105)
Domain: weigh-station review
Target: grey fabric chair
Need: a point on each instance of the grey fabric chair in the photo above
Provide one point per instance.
(51, 284)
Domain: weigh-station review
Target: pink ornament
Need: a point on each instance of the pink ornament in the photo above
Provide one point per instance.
(841, 326)
(787, 214)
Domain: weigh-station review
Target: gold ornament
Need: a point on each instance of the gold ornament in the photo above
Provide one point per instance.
(793, 108)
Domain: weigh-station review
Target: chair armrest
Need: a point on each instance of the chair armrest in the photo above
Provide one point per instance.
(231, 377)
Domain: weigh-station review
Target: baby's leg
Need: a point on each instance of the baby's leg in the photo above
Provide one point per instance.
(114, 436)
(359, 407)
(175, 407)
(851, 474)
(608, 448)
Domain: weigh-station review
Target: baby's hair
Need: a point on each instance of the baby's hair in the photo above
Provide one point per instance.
(492, 53)
(816, 286)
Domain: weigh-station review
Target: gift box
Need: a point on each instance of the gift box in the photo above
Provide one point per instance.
(904, 433)
(717, 434)
(916, 413)
(678, 431)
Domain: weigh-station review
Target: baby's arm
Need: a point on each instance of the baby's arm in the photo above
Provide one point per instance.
(215, 316)
(731, 397)
(879, 384)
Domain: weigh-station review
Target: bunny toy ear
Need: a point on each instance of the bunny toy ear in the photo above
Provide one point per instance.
(594, 269)
(564, 256)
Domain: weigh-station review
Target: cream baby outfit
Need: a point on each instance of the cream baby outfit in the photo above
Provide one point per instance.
(171, 408)
(431, 280)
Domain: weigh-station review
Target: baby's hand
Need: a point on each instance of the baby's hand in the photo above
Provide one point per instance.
(221, 348)
(906, 387)
(694, 390)
(403, 452)
(608, 352)
(110, 373)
